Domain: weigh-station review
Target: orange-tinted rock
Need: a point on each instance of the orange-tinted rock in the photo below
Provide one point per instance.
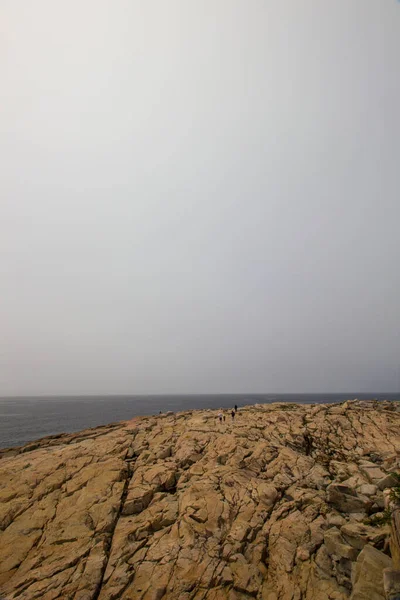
(269, 506)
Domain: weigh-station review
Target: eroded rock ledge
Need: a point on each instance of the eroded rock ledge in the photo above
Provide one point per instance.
(271, 506)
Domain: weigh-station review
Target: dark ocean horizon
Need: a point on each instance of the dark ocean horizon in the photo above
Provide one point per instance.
(28, 418)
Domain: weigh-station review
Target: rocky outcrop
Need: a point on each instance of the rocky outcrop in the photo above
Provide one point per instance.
(368, 574)
(272, 506)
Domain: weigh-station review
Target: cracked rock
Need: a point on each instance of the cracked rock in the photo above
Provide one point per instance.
(271, 507)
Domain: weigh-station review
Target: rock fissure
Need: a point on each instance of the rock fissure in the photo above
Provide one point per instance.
(269, 506)
(108, 542)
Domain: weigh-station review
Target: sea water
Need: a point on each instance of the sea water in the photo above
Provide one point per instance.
(28, 418)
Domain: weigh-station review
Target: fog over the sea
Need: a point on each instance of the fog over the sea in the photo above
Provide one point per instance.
(199, 196)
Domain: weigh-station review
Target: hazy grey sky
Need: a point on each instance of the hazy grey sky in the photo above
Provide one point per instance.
(199, 196)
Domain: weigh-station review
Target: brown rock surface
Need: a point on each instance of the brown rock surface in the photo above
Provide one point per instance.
(271, 506)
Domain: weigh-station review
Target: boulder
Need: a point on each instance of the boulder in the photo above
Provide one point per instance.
(368, 489)
(345, 499)
(373, 473)
(367, 574)
(358, 534)
(335, 520)
(387, 482)
(391, 583)
(336, 545)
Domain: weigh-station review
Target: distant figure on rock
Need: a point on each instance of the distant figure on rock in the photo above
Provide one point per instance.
(233, 414)
(235, 407)
(224, 417)
(220, 417)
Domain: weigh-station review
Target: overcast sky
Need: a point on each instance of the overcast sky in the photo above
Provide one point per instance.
(199, 196)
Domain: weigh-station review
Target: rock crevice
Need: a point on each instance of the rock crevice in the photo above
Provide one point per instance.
(273, 506)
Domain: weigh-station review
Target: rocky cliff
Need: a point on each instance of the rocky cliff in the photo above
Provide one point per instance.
(270, 506)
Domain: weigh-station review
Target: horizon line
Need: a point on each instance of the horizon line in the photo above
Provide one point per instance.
(183, 394)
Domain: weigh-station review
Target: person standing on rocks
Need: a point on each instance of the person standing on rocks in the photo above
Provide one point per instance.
(233, 414)
(220, 415)
(235, 408)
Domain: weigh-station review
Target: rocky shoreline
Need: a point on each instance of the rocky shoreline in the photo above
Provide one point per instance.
(286, 502)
